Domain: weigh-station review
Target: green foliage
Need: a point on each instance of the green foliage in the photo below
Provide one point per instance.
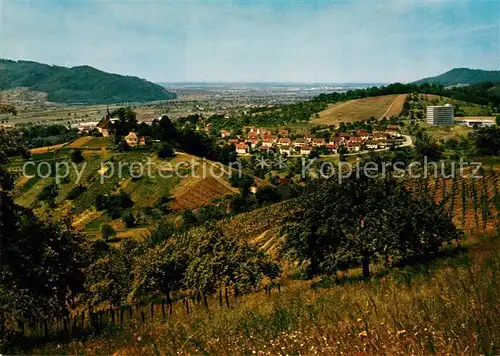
(83, 84)
(166, 151)
(40, 265)
(49, 194)
(267, 195)
(463, 76)
(272, 117)
(127, 121)
(209, 213)
(107, 232)
(482, 94)
(113, 204)
(427, 147)
(160, 270)
(11, 144)
(108, 280)
(218, 261)
(361, 219)
(244, 183)
(129, 220)
(77, 156)
(486, 140)
(123, 146)
(189, 219)
(164, 129)
(47, 135)
(76, 192)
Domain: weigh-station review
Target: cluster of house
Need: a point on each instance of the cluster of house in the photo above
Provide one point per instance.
(258, 139)
(106, 128)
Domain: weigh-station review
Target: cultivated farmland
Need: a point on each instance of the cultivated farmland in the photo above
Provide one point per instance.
(362, 109)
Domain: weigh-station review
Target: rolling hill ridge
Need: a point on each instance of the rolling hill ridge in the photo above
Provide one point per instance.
(463, 76)
(79, 85)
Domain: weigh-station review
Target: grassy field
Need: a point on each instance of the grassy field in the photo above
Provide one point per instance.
(448, 307)
(361, 109)
(446, 132)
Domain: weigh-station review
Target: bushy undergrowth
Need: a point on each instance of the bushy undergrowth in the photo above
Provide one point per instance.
(449, 307)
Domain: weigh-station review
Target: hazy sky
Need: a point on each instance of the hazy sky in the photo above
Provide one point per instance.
(302, 41)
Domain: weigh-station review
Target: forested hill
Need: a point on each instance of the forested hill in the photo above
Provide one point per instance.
(82, 84)
(463, 76)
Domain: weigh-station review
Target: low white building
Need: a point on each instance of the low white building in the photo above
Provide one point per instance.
(476, 121)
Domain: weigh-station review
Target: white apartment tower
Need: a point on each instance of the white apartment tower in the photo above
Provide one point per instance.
(440, 115)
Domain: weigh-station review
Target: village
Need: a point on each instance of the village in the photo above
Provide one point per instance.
(253, 140)
(288, 143)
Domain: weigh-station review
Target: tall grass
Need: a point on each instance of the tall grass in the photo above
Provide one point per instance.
(449, 307)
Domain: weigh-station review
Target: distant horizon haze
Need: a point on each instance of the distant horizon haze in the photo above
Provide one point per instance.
(236, 41)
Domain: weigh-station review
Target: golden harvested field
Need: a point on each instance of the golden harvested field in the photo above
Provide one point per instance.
(36, 151)
(202, 192)
(82, 141)
(362, 109)
(91, 142)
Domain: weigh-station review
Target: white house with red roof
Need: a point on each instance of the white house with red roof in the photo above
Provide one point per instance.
(264, 132)
(353, 146)
(318, 142)
(299, 142)
(363, 134)
(253, 129)
(242, 149)
(268, 141)
(305, 150)
(286, 150)
(286, 141)
(355, 139)
(332, 148)
(253, 142)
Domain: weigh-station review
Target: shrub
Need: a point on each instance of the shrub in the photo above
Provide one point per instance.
(107, 232)
(76, 192)
(77, 156)
(166, 151)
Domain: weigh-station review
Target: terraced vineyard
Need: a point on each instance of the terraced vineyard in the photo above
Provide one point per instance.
(473, 204)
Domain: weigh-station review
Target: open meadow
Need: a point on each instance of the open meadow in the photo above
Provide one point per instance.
(362, 109)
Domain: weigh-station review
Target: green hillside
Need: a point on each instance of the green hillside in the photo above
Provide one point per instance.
(82, 84)
(463, 76)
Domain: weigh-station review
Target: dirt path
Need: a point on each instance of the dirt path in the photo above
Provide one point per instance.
(398, 104)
